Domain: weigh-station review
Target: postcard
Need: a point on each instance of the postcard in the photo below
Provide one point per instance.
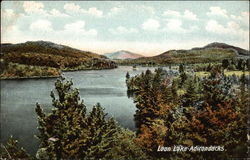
(124, 80)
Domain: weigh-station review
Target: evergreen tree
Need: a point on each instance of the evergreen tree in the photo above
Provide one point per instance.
(69, 133)
(217, 88)
(240, 64)
(181, 68)
(183, 77)
(225, 63)
(190, 97)
(174, 88)
(248, 64)
(12, 151)
(127, 76)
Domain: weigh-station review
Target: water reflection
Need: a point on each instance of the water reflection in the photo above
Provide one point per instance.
(18, 99)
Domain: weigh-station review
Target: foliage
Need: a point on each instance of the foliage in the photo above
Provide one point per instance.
(70, 133)
(11, 150)
(212, 111)
(41, 53)
(18, 70)
(207, 55)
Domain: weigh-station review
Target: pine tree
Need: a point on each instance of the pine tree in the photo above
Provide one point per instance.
(127, 77)
(181, 68)
(68, 132)
(11, 150)
(190, 97)
(225, 63)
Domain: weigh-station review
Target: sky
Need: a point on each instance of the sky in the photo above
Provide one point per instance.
(145, 27)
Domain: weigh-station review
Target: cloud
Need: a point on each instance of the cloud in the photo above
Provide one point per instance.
(78, 28)
(148, 9)
(8, 18)
(43, 29)
(190, 15)
(214, 27)
(94, 11)
(57, 13)
(13, 35)
(171, 13)
(175, 25)
(33, 7)
(187, 14)
(217, 11)
(123, 30)
(243, 18)
(74, 8)
(41, 25)
(231, 29)
(115, 11)
(8, 13)
(143, 9)
(151, 25)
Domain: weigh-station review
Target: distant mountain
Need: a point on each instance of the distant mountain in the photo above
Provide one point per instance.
(213, 52)
(47, 47)
(240, 51)
(123, 55)
(45, 53)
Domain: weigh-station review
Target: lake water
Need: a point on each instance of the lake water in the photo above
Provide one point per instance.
(18, 99)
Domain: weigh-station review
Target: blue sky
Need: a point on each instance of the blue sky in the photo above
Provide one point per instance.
(145, 27)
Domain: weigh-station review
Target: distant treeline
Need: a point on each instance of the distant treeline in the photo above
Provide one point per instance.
(185, 56)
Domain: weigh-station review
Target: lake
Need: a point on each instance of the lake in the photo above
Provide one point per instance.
(18, 99)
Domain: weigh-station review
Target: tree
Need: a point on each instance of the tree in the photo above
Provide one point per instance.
(3, 65)
(225, 63)
(181, 68)
(12, 151)
(190, 98)
(183, 77)
(217, 88)
(127, 78)
(240, 64)
(69, 133)
(248, 64)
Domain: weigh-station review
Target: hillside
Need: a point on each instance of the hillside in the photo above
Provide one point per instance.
(44, 53)
(238, 50)
(123, 55)
(214, 52)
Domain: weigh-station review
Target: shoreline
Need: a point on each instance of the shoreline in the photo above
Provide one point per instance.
(47, 77)
(33, 77)
(87, 69)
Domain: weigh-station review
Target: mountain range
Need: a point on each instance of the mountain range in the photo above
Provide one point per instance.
(213, 52)
(45, 53)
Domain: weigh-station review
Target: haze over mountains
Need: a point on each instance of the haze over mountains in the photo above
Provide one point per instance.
(123, 54)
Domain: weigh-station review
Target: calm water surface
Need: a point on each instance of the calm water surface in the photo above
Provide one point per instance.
(18, 99)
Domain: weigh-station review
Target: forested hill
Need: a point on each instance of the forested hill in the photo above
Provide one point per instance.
(44, 53)
(239, 50)
(47, 47)
(214, 52)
